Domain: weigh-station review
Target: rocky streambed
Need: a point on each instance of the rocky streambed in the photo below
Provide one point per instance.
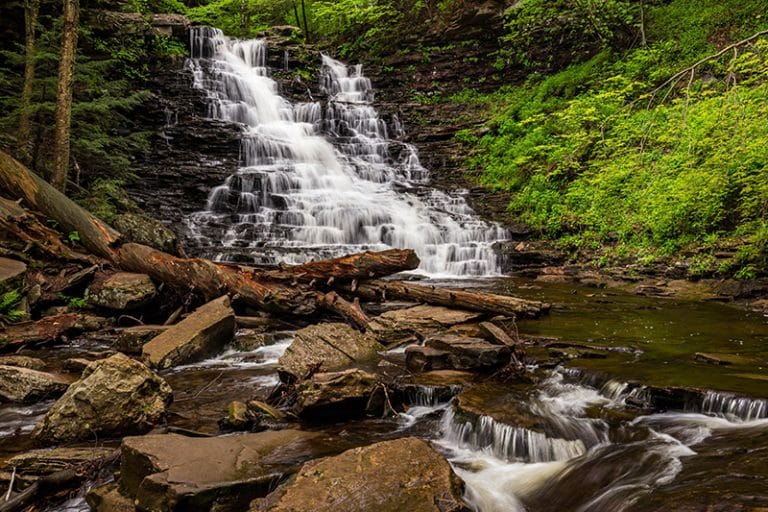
(612, 402)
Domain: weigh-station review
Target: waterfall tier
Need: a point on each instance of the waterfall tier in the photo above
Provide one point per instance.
(322, 179)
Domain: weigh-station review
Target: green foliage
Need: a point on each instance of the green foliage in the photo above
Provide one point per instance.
(8, 302)
(546, 34)
(152, 6)
(242, 18)
(597, 158)
(106, 198)
(74, 302)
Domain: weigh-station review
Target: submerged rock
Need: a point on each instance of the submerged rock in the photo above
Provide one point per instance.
(114, 396)
(203, 333)
(330, 346)
(416, 323)
(121, 291)
(392, 476)
(337, 395)
(25, 385)
(171, 472)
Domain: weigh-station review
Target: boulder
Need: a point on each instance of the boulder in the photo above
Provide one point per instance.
(107, 498)
(47, 461)
(141, 229)
(452, 352)
(121, 291)
(202, 334)
(114, 396)
(331, 346)
(391, 476)
(32, 363)
(336, 395)
(25, 385)
(132, 339)
(171, 472)
(416, 323)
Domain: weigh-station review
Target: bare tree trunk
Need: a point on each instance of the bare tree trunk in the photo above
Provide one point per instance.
(63, 121)
(306, 26)
(296, 13)
(31, 8)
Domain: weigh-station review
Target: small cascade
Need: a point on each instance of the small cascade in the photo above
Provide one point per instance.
(507, 442)
(725, 404)
(321, 180)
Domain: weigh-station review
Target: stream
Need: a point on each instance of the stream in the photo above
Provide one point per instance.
(639, 419)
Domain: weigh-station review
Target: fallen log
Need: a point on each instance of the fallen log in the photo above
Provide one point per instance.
(452, 298)
(48, 329)
(364, 265)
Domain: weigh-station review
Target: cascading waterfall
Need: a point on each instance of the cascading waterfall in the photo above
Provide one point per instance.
(319, 180)
(726, 404)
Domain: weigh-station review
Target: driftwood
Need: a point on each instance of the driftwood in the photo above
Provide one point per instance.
(53, 483)
(49, 329)
(472, 301)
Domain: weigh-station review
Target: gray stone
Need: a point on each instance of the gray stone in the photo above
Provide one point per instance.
(202, 334)
(392, 476)
(331, 346)
(416, 323)
(173, 473)
(121, 291)
(142, 229)
(114, 396)
(25, 385)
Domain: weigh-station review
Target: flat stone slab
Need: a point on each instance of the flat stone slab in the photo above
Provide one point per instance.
(416, 323)
(392, 476)
(452, 352)
(11, 269)
(171, 472)
(200, 335)
(336, 395)
(24, 385)
(332, 346)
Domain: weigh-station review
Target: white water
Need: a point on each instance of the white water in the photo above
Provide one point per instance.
(319, 180)
(510, 469)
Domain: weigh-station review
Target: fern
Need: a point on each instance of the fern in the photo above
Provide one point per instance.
(8, 303)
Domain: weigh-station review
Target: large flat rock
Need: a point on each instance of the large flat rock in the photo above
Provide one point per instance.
(336, 395)
(332, 346)
(47, 461)
(392, 476)
(416, 323)
(172, 473)
(453, 352)
(200, 335)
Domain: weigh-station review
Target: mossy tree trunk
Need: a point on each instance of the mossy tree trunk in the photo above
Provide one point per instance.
(31, 9)
(63, 118)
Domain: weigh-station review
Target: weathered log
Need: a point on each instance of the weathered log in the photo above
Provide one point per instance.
(452, 298)
(350, 311)
(365, 265)
(50, 484)
(28, 229)
(48, 329)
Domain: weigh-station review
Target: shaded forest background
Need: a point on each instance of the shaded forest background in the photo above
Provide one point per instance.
(620, 130)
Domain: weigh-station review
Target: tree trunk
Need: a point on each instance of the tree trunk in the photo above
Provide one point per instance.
(472, 301)
(31, 8)
(364, 265)
(307, 39)
(63, 118)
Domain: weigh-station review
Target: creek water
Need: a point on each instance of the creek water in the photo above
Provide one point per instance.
(321, 179)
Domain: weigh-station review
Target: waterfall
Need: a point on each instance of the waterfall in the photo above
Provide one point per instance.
(746, 409)
(319, 179)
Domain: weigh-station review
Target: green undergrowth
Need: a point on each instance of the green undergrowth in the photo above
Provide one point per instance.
(613, 159)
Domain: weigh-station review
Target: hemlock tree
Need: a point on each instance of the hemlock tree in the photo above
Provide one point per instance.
(63, 117)
(31, 10)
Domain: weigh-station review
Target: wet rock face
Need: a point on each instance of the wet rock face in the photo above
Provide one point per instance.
(416, 323)
(201, 334)
(121, 291)
(26, 385)
(452, 352)
(176, 473)
(115, 396)
(188, 155)
(392, 476)
(330, 346)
